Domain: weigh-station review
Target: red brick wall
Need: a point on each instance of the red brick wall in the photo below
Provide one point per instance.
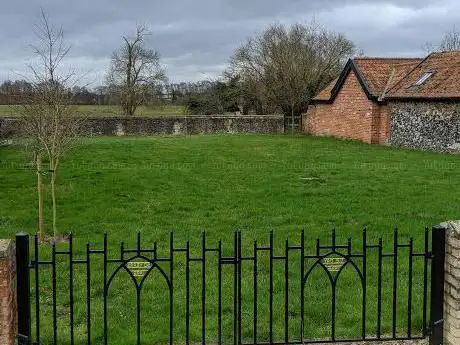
(8, 323)
(351, 115)
(384, 129)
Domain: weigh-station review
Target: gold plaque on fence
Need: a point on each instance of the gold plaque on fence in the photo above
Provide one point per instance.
(139, 268)
(333, 264)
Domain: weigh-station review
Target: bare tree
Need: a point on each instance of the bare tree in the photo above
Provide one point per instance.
(289, 65)
(449, 42)
(135, 70)
(49, 120)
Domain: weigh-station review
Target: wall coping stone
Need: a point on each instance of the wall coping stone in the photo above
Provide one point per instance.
(453, 227)
(6, 246)
(451, 283)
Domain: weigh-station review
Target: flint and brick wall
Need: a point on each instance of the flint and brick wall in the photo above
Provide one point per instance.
(8, 323)
(166, 125)
(425, 125)
(352, 115)
(452, 285)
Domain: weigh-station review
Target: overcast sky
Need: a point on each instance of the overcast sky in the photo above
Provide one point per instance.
(196, 37)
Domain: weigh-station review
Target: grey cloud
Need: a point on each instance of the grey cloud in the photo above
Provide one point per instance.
(197, 37)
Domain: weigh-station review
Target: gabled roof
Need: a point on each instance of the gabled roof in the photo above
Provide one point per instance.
(443, 82)
(374, 74)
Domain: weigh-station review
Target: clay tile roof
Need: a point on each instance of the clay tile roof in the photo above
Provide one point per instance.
(325, 94)
(376, 71)
(443, 83)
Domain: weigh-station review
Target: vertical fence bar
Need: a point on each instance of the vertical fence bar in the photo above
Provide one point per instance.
(438, 248)
(219, 296)
(425, 282)
(53, 263)
(37, 291)
(71, 289)
(270, 293)
(255, 294)
(302, 291)
(333, 286)
(363, 331)
(105, 289)
(379, 289)
(286, 292)
(171, 288)
(333, 309)
(395, 280)
(23, 285)
(138, 297)
(239, 290)
(409, 292)
(88, 294)
(138, 315)
(203, 289)
(235, 289)
(187, 294)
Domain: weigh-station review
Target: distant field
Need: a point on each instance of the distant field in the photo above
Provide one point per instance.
(110, 110)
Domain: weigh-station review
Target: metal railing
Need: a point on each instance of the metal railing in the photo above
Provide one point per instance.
(331, 258)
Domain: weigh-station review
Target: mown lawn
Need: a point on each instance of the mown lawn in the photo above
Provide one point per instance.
(109, 110)
(217, 184)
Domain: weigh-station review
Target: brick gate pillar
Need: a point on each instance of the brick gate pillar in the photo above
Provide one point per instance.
(8, 310)
(452, 284)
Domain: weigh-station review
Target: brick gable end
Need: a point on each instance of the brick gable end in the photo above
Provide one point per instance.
(351, 115)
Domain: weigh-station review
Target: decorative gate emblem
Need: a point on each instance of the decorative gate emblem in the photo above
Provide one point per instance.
(333, 264)
(139, 268)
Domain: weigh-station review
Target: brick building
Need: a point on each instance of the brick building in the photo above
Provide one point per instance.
(401, 101)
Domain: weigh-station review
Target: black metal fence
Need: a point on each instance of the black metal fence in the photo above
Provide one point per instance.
(331, 258)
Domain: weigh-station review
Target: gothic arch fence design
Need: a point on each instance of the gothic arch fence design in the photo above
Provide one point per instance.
(270, 310)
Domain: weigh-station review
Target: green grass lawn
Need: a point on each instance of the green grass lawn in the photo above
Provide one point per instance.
(111, 110)
(217, 184)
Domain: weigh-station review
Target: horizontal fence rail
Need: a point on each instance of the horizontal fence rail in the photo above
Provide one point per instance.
(266, 285)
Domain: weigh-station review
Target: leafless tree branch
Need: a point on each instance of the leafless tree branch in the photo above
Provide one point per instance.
(286, 66)
(449, 42)
(50, 121)
(134, 71)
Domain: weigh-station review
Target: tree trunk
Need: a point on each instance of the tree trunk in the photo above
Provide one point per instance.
(53, 197)
(132, 108)
(292, 119)
(41, 227)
